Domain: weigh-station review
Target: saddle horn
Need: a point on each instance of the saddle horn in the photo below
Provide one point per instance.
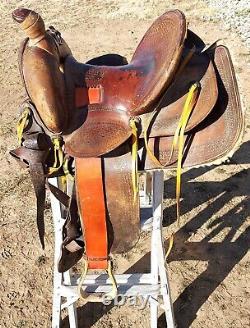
(30, 21)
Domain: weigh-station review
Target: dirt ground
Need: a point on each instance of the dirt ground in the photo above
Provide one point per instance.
(209, 265)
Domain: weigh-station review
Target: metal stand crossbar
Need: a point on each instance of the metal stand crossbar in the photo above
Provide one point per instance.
(153, 285)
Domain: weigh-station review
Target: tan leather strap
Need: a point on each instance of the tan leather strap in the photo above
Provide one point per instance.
(92, 209)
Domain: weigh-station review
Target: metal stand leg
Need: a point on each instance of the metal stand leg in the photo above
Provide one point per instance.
(71, 308)
(150, 285)
(58, 222)
(157, 251)
(147, 188)
(59, 278)
(153, 312)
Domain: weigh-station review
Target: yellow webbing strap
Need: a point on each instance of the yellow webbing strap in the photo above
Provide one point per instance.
(22, 122)
(170, 245)
(60, 161)
(178, 143)
(179, 139)
(134, 157)
(66, 169)
(58, 156)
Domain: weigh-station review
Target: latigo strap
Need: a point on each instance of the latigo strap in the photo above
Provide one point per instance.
(92, 210)
(91, 202)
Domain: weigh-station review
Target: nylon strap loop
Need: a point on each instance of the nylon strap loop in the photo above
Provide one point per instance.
(178, 143)
(66, 169)
(58, 156)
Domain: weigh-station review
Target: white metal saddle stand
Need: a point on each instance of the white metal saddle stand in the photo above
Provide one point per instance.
(153, 285)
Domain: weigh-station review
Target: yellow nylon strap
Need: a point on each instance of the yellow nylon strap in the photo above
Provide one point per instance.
(170, 245)
(134, 157)
(22, 122)
(179, 142)
(58, 156)
(179, 139)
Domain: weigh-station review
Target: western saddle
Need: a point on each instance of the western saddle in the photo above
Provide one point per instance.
(175, 104)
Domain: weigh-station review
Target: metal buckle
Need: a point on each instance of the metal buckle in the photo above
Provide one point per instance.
(96, 297)
(56, 34)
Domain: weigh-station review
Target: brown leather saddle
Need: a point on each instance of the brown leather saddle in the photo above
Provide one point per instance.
(108, 118)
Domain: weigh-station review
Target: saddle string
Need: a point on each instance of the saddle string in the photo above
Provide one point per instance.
(179, 139)
(58, 155)
(60, 160)
(151, 155)
(178, 144)
(66, 169)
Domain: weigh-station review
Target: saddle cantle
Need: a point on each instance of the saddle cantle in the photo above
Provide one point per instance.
(88, 120)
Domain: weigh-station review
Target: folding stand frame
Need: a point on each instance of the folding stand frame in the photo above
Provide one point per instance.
(153, 285)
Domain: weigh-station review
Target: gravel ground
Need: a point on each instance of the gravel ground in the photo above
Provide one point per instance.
(235, 14)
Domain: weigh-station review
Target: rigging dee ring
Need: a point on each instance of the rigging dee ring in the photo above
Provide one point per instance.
(96, 296)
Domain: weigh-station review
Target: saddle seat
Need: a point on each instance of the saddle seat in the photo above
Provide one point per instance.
(100, 125)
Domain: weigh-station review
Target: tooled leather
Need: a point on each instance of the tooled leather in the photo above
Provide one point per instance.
(212, 130)
(123, 211)
(199, 69)
(219, 133)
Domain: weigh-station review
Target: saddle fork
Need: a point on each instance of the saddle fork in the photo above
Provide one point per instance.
(97, 296)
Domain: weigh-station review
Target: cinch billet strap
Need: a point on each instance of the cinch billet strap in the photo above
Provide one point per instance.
(92, 210)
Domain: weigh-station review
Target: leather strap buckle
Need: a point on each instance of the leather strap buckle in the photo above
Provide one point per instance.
(56, 35)
(96, 297)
